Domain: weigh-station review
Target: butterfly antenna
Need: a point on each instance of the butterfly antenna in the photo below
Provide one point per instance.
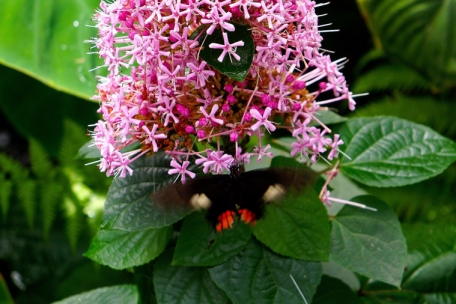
(297, 287)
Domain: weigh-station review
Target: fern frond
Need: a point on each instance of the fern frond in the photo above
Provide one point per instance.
(27, 197)
(12, 167)
(50, 197)
(39, 160)
(6, 189)
(74, 138)
(73, 221)
(391, 77)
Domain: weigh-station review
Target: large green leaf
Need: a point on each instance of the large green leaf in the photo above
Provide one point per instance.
(297, 227)
(44, 39)
(121, 249)
(257, 275)
(38, 111)
(108, 295)
(390, 152)
(129, 205)
(369, 242)
(419, 32)
(431, 264)
(176, 284)
(5, 296)
(229, 66)
(199, 245)
(430, 269)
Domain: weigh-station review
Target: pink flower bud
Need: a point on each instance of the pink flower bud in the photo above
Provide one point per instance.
(189, 129)
(182, 110)
(231, 99)
(123, 16)
(129, 23)
(296, 106)
(322, 86)
(289, 79)
(143, 111)
(299, 85)
(202, 121)
(236, 12)
(228, 88)
(226, 107)
(265, 99)
(200, 134)
(234, 136)
(248, 117)
(273, 105)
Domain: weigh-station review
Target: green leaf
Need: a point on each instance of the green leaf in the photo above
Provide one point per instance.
(129, 205)
(229, 66)
(5, 295)
(176, 284)
(390, 152)
(108, 295)
(42, 110)
(431, 264)
(441, 298)
(6, 189)
(199, 245)
(400, 105)
(88, 150)
(45, 41)
(328, 117)
(369, 242)
(257, 275)
(418, 32)
(297, 226)
(121, 249)
(333, 291)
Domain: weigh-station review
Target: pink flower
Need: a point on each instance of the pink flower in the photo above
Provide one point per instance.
(152, 137)
(181, 170)
(227, 48)
(157, 93)
(262, 119)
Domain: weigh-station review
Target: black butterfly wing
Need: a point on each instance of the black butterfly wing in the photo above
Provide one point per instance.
(183, 198)
(225, 195)
(258, 187)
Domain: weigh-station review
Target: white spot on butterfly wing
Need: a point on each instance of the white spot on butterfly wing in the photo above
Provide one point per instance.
(200, 201)
(274, 193)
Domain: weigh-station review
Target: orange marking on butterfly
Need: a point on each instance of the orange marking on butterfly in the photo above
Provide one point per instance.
(247, 216)
(225, 221)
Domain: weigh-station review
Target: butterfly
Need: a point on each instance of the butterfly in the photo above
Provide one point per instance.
(239, 194)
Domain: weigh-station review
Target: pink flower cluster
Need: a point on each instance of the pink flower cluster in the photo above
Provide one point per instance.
(160, 95)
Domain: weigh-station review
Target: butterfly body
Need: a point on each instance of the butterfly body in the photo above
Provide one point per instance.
(241, 194)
